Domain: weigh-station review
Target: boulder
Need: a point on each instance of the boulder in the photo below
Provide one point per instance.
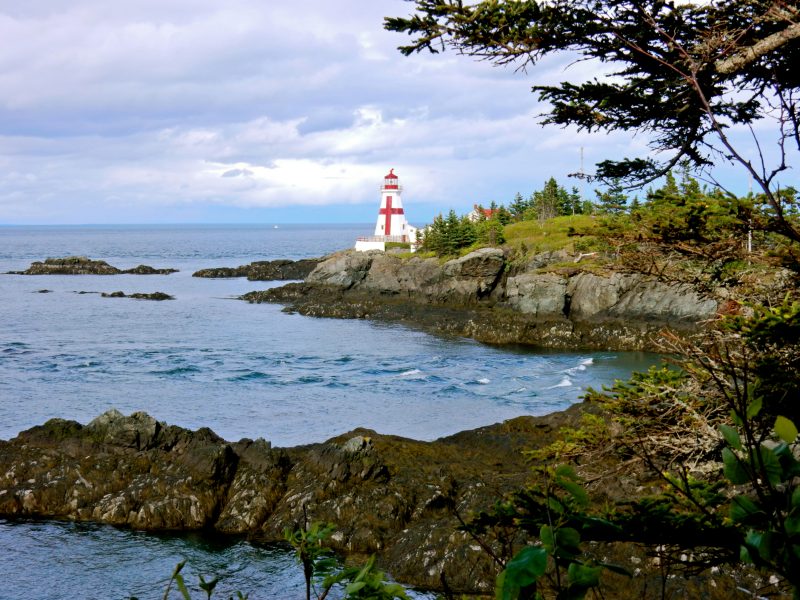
(540, 295)
(390, 275)
(637, 298)
(344, 269)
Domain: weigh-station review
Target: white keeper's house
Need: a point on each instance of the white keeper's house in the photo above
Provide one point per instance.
(392, 225)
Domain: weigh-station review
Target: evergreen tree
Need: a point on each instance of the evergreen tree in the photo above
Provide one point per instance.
(575, 206)
(518, 207)
(613, 200)
(684, 212)
(503, 215)
(547, 202)
(445, 236)
(490, 232)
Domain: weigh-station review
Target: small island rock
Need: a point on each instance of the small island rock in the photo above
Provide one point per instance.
(268, 270)
(139, 295)
(82, 265)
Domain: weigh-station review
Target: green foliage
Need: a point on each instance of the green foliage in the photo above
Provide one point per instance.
(613, 200)
(556, 234)
(490, 232)
(571, 441)
(771, 335)
(768, 512)
(650, 399)
(555, 513)
(366, 583)
(447, 235)
(519, 577)
(518, 207)
(687, 213)
(551, 201)
(320, 568)
(206, 586)
(317, 560)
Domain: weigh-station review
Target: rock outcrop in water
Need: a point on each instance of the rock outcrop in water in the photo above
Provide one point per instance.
(398, 498)
(139, 295)
(81, 265)
(267, 270)
(388, 495)
(484, 296)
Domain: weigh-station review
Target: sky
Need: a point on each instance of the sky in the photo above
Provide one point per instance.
(246, 111)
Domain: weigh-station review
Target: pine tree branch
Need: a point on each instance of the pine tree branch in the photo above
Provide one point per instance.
(748, 55)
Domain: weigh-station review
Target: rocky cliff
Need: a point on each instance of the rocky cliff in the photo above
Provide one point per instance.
(392, 496)
(548, 302)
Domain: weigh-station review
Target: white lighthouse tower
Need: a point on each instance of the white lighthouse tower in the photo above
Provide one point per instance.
(391, 225)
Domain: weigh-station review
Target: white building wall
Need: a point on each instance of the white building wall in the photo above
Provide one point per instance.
(366, 246)
(398, 226)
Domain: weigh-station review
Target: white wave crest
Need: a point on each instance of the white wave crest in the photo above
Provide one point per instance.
(566, 382)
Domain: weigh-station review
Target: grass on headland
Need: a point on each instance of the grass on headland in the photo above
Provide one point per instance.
(571, 232)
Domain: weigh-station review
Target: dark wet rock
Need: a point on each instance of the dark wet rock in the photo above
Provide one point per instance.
(268, 270)
(147, 270)
(223, 272)
(398, 498)
(388, 495)
(138, 295)
(483, 296)
(151, 296)
(81, 265)
(69, 265)
(44, 291)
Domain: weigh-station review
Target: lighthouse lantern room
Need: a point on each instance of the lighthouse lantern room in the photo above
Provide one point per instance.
(391, 225)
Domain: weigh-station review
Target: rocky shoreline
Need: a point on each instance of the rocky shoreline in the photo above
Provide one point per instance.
(395, 497)
(400, 499)
(547, 302)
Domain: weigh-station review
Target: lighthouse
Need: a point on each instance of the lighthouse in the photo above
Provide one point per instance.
(391, 225)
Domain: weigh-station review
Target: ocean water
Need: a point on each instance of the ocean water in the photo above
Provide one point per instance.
(206, 359)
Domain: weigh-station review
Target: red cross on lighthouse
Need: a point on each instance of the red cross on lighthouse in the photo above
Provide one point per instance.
(389, 211)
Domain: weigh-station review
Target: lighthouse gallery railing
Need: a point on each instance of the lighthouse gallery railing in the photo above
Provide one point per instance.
(402, 239)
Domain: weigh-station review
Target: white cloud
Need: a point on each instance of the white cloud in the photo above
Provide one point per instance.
(113, 110)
